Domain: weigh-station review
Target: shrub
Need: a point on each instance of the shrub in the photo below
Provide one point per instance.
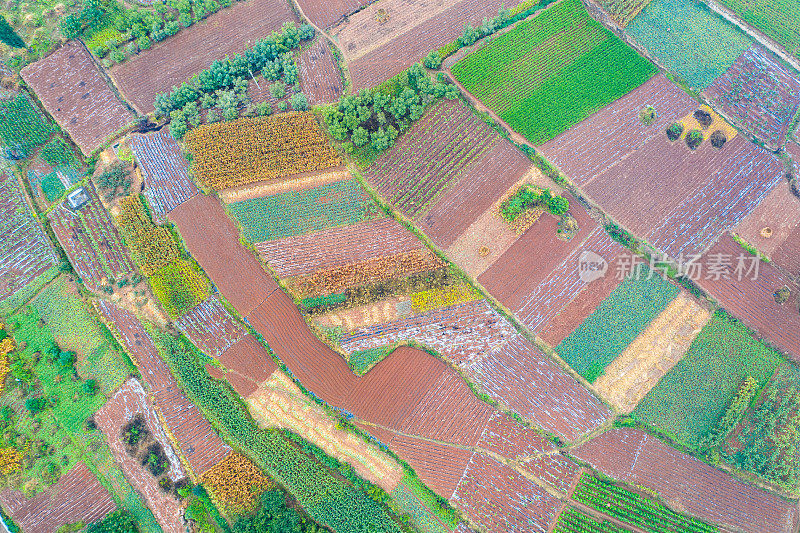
(35, 405)
(277, 89)
(703, 117)
(433, 60)
(299, 102)
(117, 522)
(694, 139)
(648, 115)
(718, 139)
(306, 32)
(558, 205)
(283, 106)
(674, 131)
(782, 295)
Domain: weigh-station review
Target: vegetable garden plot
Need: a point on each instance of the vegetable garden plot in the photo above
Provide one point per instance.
(753, 300)
(689, 400)
(91, 242)
(319, 74)
(227, 154)
(698, 489)
(552, 71)
(76, 94)
(297, 212)
(211, 327)
(689, 39)
(370, 40)
(761, 93)
(198, 441)
(615, 323)
(338, 247)
(22, 126)
(779, 20)
(431, 156)
(77, 497)
(574, 521)
(176, 59)
(164, 170)
(439, 466)
(494, 495)
(25, 250)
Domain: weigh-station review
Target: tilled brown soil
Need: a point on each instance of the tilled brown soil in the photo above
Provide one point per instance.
(324, 14)
(74, 91)
(320, 80)
(177, 58)
(687, 484)
(438, 465)
(77, 497)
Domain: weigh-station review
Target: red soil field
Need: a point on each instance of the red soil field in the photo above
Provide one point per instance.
(210, 327)
(510, 439)
(578, 310)
(687, 484)
(752, 301)
(501, 499)
(439, 466)
(198, 441)
(529, 383)
(77, 497)
(437, 151)
(320, 80)
(482, 184)
(73, 90)
(324, 14)
(337, 247)
(249, 359)
(176, 59)
(231, 271)
(411, 45)
(128, 401)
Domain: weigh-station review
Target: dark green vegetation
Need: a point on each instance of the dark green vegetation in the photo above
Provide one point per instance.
(8, 36)
(330, 299)
(57, 152)
(22, 127)
(687, 403)
(552, 71)
(529, 196)
(634, 509)
(362, 360)
(372, 120)
(574, 521)
(115, 181)
(741, 401)
(616, 322)
(274, 516)
(336, 501)
(116, 522)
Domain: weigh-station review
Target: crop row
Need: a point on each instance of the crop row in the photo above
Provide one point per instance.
(151, 246)
(574, 521)
(22, 127)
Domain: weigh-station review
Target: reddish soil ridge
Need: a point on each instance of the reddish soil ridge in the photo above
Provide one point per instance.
(687, 484)
(73, 90)
(77, 497)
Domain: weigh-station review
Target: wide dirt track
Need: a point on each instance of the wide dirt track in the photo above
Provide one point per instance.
(177, 58)
(687, 484)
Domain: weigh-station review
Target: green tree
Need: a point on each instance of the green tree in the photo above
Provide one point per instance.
(9, 36)
(70, 26)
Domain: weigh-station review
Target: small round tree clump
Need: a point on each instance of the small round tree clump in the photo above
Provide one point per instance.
(694, 139)
(718, 139)
(674, 131)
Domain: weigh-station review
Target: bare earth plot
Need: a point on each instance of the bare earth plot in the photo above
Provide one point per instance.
(210, 327)
(686, 484)
(376, 49)
(77, 497)
(320, 80)
(324, 14)
(130, 400)
(73, 90)
(679, 200)
(752, 299)
(177, 58)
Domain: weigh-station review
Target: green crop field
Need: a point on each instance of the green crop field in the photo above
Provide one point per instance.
(52, 188)
(689, 39)
(21, 125)
(297, 212)
(778, 19)
(615, 323)
(688, 401)
(552, 71)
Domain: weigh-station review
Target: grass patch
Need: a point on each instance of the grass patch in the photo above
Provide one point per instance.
(179, 286)
(552, 71)
(52, 188)
(618, 320)
(689, 400)
(689, 39)
(57, 152)
(362, 361)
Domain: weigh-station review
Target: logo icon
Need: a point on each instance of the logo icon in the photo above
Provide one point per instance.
(591, 266)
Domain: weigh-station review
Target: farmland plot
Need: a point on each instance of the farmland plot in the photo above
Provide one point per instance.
(438, 465)
(753, 301)
(74, 91)
(325, 14)
(92, 243)
(429, 157)
(248, 150)
(225, 33)
(623, 11)
(760, 93)
(22, 126)
(553, 71)
(77, 497)
(687, 484)
(211, 327)
(165, 171)
(689, 39)
(320, 80)
(25, 250)
(131, 400)
(370, 39)
(778, 20)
